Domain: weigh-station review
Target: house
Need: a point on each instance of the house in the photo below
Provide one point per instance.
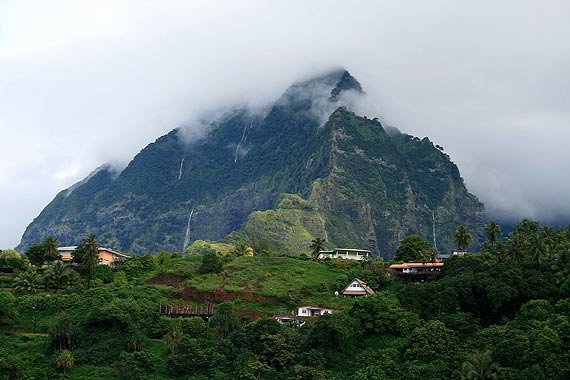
(357, 288)
(416, 271)
(106, 256)
(303, 313)
(442, 256)
(313, 311)
(345, 253)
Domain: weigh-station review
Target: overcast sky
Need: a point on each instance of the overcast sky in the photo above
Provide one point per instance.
(83, 83)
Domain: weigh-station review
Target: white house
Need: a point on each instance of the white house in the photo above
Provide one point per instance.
(345, 253)
(417, 267)
(313, 311)
(416, 272)
(357, 288)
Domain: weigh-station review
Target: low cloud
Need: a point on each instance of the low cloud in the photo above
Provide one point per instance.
(488, 81)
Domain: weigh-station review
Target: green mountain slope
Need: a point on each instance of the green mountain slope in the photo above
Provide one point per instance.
(368, 189)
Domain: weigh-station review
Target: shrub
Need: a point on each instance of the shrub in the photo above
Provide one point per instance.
(210, 263)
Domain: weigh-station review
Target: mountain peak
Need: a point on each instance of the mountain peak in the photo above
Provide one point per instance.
(322, 93)
(362, 188)
(346, 82)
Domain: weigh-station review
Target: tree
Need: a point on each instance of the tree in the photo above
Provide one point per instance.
(225, 321)
(29, 280)
(87, 255)
(338, 330)
(44, 251)
(103, 273)
(517, 245)
(163, 258)
(431, 339)
(463, 237)
(537, 248)
(414, 248)
(480, 366)
(35, 254)
(57, 273)
(136, 365)
(120, 279)
(316, 246)
(50, 245)
(210, 263)
(8, 311)
(492, 232)
(12, 259)
(527, 226)
(64, 360)
(63, 332)
(240, 249)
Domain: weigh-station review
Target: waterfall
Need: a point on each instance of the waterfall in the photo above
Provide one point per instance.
(433, 228)
(242, 137)
(180, 170)
(187, 235)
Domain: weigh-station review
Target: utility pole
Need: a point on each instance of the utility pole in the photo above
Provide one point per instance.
(35, 310)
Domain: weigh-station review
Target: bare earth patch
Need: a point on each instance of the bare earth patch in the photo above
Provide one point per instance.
(219, 295)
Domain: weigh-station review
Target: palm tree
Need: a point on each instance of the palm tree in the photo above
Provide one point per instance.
(240, 249)
(29, 280)
(537, 248)
(57, 273)
(492, 232)
(72, 277)
(316, 246)
(561, 259)
(480, 366)
(50, 245)
(517, 245)
(463, 237)
(87, 255)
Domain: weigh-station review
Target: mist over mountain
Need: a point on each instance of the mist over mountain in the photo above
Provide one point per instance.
(307, 166)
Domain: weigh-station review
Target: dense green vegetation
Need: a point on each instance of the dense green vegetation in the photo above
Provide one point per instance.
(501, 313)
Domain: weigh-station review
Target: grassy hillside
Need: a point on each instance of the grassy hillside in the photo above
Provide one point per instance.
(266, 284)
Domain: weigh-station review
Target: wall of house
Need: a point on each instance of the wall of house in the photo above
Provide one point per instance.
(66, 255)
(106, 257)
(308, 311)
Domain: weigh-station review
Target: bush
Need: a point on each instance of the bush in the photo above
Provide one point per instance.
(210, 263)
(137, 365)
(103, 273)
(8, 311)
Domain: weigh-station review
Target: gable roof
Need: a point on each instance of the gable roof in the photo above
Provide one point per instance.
(367, 289)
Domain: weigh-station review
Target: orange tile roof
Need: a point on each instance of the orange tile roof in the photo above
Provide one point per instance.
(412, 265)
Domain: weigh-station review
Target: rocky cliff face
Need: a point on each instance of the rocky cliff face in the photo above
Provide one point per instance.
(378, 190)
(356, 185)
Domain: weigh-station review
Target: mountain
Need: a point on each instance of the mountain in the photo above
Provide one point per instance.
(306, 167)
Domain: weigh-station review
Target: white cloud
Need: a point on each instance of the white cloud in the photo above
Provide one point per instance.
(84, 83)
